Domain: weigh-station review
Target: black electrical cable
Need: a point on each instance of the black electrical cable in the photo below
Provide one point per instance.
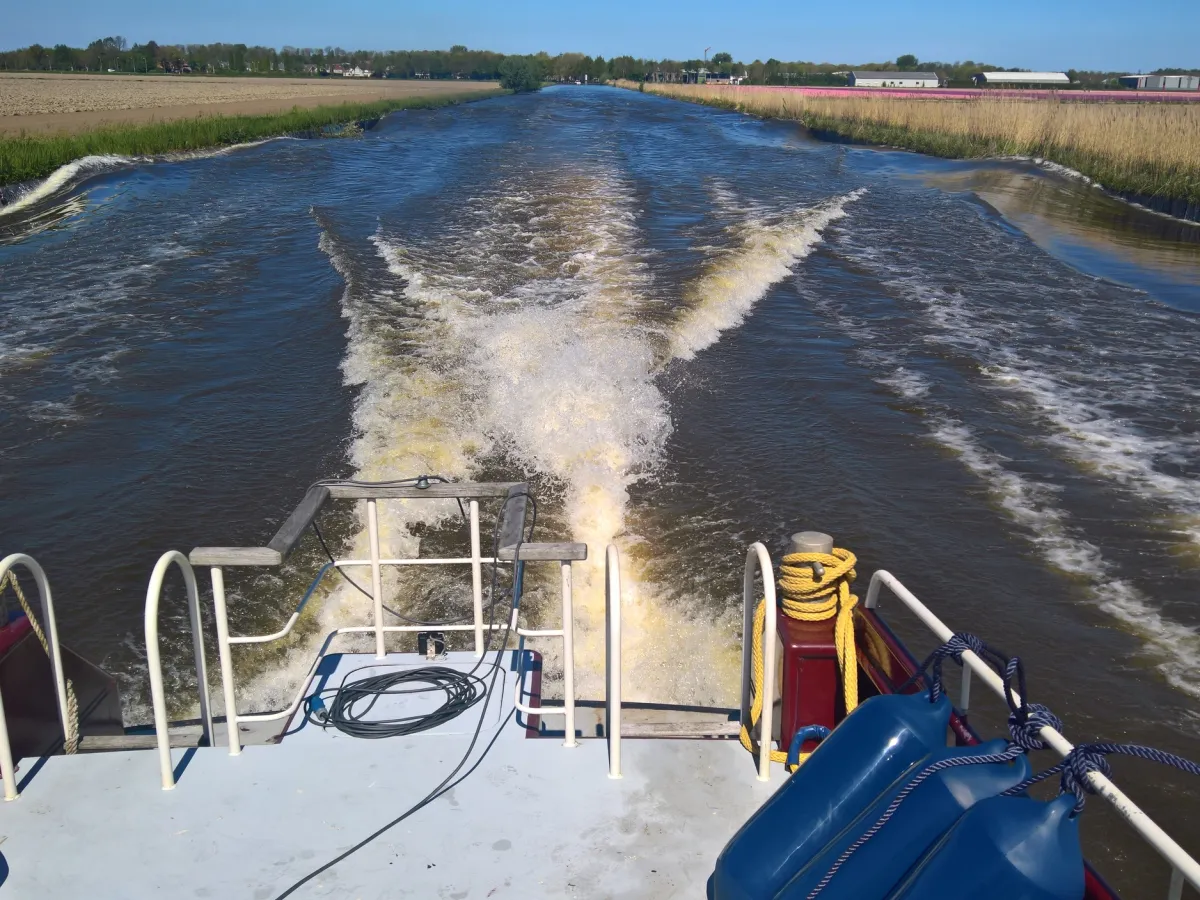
(350, 703)
(449, 782)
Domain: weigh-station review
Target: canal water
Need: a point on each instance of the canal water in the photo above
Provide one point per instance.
(689, 330)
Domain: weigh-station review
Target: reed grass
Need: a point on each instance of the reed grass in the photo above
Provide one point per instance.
(26, 157)
(1143, 149)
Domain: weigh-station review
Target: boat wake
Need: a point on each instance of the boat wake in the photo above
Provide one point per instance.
(762, 252)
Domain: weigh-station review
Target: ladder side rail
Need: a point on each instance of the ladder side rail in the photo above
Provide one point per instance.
(154, 661)
(758, 560)
(50, 627)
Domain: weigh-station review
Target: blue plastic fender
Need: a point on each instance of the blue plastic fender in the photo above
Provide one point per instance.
(925, 815)
(1004, 848)
(882, 741)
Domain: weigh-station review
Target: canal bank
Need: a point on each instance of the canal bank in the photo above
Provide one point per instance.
(1139, 152)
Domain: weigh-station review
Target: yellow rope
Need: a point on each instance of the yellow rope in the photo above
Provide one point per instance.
(71, 738)
(809, 599)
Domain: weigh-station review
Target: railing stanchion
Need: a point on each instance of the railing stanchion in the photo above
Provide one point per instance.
(158, 695)
(612, 611)
(7, 769)
(376, 577)
(220, 614)
(477, 578)
(964, 698)
(568, 657)
(1175, 890)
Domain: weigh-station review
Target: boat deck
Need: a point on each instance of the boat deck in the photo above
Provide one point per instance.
(536, 819)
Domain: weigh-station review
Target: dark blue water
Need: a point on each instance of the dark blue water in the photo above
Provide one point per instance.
(690, 329)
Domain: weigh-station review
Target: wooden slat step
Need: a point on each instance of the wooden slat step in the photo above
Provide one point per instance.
(99, 743)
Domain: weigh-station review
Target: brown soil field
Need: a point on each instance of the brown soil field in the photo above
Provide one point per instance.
(40, 103)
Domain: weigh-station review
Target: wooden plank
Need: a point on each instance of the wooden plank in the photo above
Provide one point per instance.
(547, 552)
(680, 729)
(234, 556)
(100, 743)
(292, 530)
(461, 490)
(512, 526)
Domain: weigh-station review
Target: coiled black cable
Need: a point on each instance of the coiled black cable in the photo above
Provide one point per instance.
(349, 704)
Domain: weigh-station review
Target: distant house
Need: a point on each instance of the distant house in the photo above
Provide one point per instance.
(1161, 82)
(724, 78)
(356, 72)
(1021, 79)
(337, 69)
(893, 79)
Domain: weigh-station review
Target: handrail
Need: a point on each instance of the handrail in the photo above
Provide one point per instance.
(612, 657)
(7, 770)
(516, 552)
(758, 558)
(1181, 862)
(567, 633)
(154, 662)
(293, 528)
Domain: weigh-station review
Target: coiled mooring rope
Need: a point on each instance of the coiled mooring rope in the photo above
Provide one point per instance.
(815, 588)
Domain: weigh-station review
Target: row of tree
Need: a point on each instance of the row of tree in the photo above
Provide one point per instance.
(114, 54)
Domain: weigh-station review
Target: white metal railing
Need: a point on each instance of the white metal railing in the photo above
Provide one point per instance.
(612, 657)
(376, 562)
(567, 633)
(1183, 866)
(50, 627)
(759, 560)
(158, 695)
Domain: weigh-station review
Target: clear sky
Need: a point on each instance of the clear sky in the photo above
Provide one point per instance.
(1033, 34)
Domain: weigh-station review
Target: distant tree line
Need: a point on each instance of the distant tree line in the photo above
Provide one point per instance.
(115, 54)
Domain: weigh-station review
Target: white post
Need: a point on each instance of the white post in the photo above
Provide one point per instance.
(964, 699)
(477, 578)
(226, 657)
(568, 657)
(612, 610)
(6, 761)
(376, 577)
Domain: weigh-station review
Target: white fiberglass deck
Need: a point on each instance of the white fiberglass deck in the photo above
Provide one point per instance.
(535, 820)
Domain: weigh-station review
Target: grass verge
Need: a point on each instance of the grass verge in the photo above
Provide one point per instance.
(1144, 151)
(26, 157)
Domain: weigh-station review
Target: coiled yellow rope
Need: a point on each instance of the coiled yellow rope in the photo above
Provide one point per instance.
(808, 598)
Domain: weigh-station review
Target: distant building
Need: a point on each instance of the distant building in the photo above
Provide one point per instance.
(724, 78)
(1021, 79)
(356, 72)
(893, 79)
(1161, 82)
(695, 76)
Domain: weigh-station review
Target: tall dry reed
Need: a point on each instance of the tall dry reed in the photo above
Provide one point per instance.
(1152, 149)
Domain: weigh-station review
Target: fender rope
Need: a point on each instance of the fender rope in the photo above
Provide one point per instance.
(71, 714)
(1024, 726)
(1087, 758)
(810, 597)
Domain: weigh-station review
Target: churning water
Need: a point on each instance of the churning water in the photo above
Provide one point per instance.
(687, 329)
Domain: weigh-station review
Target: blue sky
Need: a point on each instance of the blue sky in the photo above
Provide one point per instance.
(1047, 34)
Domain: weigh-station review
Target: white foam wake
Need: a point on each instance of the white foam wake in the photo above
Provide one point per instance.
(764, 250)
(62, 178)
(1175, 647)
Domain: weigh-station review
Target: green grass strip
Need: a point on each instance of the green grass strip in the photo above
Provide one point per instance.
(26, 157)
